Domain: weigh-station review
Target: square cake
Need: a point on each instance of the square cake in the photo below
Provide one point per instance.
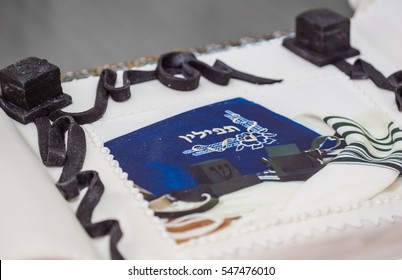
(248, 150)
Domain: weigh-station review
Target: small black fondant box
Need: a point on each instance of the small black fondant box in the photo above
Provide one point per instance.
(30, 82)
(323, 31)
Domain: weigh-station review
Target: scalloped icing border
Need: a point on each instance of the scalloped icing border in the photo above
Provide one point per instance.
(308, 233)
(129, 184)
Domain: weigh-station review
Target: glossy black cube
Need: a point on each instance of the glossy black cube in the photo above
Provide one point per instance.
(31, 88)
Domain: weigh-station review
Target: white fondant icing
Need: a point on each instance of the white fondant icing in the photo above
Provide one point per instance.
(36, 222)
(275, 220)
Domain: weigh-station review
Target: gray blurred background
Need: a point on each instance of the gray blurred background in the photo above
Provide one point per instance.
(78, 34)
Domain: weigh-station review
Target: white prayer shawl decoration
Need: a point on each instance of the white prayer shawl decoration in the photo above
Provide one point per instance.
(364, 148)
(367, 166)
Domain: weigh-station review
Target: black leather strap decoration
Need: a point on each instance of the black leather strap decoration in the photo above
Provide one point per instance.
(292, 164)
(105, 87)
(54, 152)
(323, 38)
(182, 71)
(178, 70)
(53, 149)
(364, 70)
(91, 181)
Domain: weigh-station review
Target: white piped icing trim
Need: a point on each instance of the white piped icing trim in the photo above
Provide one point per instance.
(298, 237)
(361, 224)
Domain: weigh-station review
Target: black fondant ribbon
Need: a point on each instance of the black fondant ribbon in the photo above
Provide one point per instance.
(178, 70)
(53, 149)
(91, 181)
(364, 70)
(54, 152)
(105, 88)
(171, 65)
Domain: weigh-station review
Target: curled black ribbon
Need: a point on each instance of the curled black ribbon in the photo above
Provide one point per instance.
(364, 70)
(178, 70)
(191, 69)
(54, 152)
(91, 180)
(107, 80)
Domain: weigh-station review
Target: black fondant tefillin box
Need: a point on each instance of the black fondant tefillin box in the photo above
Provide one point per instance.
(322, 37)
(31, 88)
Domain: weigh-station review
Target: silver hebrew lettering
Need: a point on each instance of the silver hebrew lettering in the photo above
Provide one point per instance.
(204, 133)
(256, 137)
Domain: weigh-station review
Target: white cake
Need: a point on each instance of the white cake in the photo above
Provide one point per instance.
(344, 211)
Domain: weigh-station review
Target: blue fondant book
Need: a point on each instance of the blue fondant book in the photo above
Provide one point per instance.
(157, 157)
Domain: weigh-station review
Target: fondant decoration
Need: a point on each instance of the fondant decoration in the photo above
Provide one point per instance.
(288, 163)
(30, 91)
(31, 88)
(186, 64)
(90, 180)
(54, 152)
(370, 163)
(291, 164)
(165, 157)
(168, 68)
(105, 88)
(361, 69)
(322, 37)
(216, 177)
(365, 148)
